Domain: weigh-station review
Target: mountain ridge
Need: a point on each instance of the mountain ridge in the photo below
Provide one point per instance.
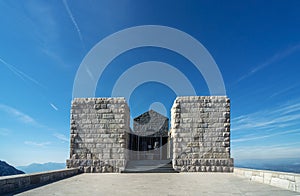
(7, 170)
(41, 167)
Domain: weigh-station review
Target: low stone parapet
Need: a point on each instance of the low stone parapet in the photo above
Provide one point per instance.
(21, 182)
(290, 181)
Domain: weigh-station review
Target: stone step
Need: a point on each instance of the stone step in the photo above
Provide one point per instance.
(148, 162)
(150, 171)
(149, 166)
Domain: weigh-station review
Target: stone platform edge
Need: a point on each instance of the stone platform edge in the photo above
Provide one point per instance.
(15, 183)
(289, 181)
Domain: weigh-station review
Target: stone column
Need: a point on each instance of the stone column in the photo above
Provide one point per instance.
(200, 132)
(99, 134)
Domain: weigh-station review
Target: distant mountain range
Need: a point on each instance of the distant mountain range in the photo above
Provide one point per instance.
(7, 170)
(282, 165)
(36, 167)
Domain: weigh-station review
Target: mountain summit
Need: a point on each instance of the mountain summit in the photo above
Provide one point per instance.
(6, 169)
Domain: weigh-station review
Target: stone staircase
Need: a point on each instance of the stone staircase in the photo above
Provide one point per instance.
(149, 166)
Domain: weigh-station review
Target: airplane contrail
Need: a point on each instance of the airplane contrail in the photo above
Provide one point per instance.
(53, 106)
(276, 57)
(74, 22)
(20, 74)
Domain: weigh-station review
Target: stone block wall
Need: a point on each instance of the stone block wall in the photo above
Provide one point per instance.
(200, 134)
(99, 134)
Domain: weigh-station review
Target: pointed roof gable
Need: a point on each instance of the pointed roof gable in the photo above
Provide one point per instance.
(151, 122)
(148, 114)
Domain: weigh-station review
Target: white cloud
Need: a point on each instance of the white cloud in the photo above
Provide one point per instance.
(37, 144)
(266, 125)
(19, 115)
(249, 138)
(283, 116)
(61, 137)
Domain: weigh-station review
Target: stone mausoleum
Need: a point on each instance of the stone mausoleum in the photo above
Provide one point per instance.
(198, 139)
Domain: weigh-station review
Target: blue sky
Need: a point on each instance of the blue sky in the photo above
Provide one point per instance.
(256, 45)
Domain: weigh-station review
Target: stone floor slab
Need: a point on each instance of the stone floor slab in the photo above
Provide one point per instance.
(157, 184)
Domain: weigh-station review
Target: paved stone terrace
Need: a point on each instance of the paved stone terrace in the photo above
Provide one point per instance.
(157, 184)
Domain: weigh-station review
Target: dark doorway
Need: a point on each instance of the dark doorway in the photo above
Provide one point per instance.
(148, 148)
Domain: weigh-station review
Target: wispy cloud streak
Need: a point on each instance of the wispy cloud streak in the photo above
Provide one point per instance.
(284, 90)
(24, 77)
(18, 115)
(264, 136)
(276, 57)
(279, 121)
(283, 116)
(74, 23)
(61, 137)
(37, 144)
(20, 74)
